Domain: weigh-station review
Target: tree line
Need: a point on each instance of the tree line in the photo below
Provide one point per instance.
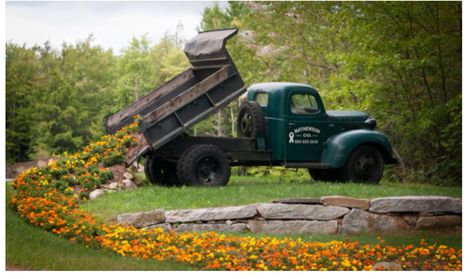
(399, 61)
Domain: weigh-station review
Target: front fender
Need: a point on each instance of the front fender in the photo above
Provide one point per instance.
(338, 148)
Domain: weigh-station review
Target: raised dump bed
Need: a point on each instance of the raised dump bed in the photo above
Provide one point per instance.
(210, 84)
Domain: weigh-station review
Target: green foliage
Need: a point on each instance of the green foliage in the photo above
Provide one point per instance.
(399, 61)
(57, 100)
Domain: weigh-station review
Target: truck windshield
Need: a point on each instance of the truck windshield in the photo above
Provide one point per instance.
(302, 103)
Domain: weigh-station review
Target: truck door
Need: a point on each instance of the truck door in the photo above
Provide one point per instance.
(305, 122)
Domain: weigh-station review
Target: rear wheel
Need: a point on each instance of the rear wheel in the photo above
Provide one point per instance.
(365, 164)
(329, 175)
(203, 165)
(161, 172)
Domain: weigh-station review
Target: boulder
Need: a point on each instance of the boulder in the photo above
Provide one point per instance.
(435, 222)
(237, 227)
(416, 204)
(128, 184)
(211, 214)
(387, 266)
(388, 224)
(295, 226)
(359, 221)
(345, 202)
(128, 175)
(300, 211)
(95, 194)
(142, 219)
(112, 186)
(356, 221)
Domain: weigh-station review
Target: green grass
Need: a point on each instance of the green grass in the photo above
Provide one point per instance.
(246, 190)
(31, 248)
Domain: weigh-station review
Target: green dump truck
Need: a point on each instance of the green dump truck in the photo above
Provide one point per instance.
(279, 124)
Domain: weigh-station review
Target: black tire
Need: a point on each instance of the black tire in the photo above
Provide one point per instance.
(328, 175)
(365, 164)
(251, 120)
(161, 172)
(203, 165)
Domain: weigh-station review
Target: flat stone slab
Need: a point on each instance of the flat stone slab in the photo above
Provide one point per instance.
(345, 202)
(296, 226)
(237, 227)
(300, 211)
(142, 219)
(211, 214)
(435, 222)
(416, 204)
(299, 201)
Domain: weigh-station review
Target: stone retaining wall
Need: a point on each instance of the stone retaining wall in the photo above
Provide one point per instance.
(326, 215)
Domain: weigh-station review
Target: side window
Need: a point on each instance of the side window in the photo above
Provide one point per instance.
(261, 99)
(302, 103)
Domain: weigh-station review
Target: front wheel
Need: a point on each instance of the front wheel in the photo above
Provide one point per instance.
(203, 165)
(365, 165)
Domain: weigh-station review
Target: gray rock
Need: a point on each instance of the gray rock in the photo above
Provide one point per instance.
(359, 221)
(128, 175)
(142, 219)
(416, 204)
(300, 211)
(356, 221)
(295, 226)
(434, 222)
(128, 184)
(345, 202)
(388, 224)
(387, 266)
(211, 214)
(237, 227)
(112, 186)
(95, 194)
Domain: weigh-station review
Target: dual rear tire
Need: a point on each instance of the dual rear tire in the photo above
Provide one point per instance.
(201, 164)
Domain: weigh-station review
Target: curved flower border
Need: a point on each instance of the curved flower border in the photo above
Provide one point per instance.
(49, 197)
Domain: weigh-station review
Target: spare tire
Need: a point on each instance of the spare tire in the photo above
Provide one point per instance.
(251, 120)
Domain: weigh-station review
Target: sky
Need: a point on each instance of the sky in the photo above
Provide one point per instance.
(113, 24)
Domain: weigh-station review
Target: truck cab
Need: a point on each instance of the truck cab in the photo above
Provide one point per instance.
(301, 133)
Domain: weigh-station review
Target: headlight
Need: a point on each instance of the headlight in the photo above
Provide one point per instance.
(370, 123)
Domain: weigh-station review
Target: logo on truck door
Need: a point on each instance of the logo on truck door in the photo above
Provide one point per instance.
(304, 135)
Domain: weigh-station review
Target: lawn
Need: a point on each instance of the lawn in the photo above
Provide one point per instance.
(247, 190)
(31, 248)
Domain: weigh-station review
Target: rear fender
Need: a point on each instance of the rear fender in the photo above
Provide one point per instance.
(339, 147)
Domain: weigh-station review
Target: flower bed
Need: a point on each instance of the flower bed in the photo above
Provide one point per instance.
(49, 197)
